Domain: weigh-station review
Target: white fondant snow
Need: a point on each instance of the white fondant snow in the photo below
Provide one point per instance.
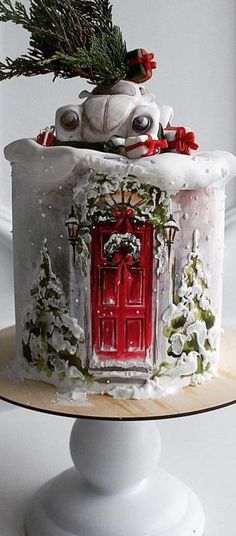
(55, 167)
(156, 388)
(70, 395)
(73, 398)
(169, 171)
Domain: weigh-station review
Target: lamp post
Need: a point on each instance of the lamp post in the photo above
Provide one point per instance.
(170, 230)
(72, 225)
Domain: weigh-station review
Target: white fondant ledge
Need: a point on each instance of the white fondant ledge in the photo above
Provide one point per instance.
(169, 171)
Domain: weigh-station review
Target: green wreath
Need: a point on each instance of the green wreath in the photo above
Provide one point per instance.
(126, 241)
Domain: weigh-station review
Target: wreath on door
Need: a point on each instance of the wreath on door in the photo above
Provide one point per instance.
(122, 245)
(122, 250)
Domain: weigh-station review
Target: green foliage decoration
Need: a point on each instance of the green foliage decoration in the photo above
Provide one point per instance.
(126, 243)
(103, 196)
(52, 337)
(68, 38)
(190, 328)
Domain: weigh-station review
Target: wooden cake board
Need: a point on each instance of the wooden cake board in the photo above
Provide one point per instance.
(39, 396)
(115, 487)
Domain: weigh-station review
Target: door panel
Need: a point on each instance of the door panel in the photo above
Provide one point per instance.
(135, 292)
(134, 335)
(121, 306)
(107, 334)
(107, 294)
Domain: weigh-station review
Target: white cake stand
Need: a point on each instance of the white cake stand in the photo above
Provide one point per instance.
(115, 487)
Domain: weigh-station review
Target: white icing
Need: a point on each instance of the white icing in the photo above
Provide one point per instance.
(191, 296)
(170, 172)
(122, 364)
(73, 326)
(161, 255)
(177, 341)
(212, 337)
(199, 379)
(70, 395)
(185, 365)
(61, 168)
(196, 238)
(156, 388)
(72, 398)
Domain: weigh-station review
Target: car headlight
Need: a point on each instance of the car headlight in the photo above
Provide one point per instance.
(141, 123)
(69, 120)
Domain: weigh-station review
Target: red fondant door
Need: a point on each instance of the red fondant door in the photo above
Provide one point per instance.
(121, 297)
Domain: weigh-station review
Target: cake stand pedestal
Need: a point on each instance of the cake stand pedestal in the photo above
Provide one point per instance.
(116, 487)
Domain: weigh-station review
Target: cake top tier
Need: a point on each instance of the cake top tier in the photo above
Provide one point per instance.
(169, 171)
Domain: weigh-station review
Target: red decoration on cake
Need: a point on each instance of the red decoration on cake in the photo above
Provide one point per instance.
(148, 144)
(123, 219)
(141, 64)
(46, 138)
(181, 141)
(121, 307)
(123, 274)
(122, 249)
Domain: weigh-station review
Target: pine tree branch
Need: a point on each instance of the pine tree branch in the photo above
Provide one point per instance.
(17, 14)
(22, 66)
(100, 59)
(69, 38)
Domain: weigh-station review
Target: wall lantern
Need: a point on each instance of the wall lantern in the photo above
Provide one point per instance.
(170, 230)
(72, 225)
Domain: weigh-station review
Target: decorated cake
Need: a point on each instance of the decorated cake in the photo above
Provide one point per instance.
(118, 223)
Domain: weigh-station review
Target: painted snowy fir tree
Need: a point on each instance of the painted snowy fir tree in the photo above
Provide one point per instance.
(191, 321)
(52, 337)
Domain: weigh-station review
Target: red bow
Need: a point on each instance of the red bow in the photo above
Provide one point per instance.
(153, 146)
(146, 59)
(184, 142)
(47, 139)
(123, 219)
(123, 273)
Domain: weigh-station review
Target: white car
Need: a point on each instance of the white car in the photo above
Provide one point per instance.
(125, 112)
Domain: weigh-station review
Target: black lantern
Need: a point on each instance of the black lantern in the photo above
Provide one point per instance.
(72, 225)
(170, 230)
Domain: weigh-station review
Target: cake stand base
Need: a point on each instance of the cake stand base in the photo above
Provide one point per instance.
(115, 488)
